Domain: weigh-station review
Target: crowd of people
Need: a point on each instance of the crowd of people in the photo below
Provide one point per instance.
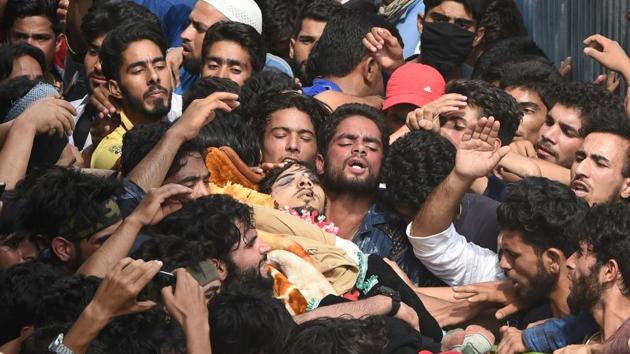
(307, 176)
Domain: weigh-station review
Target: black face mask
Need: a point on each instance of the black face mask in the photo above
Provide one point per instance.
(445, 46)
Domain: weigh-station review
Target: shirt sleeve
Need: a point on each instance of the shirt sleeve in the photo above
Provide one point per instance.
(554, 334)
(454, 260)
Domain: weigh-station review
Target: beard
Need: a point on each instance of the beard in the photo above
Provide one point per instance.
(585, 293)
(336, 181)
(160, 107)
(539, 286)
(299, 71)
(249, 279)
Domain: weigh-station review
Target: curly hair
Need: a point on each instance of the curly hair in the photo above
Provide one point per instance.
(605, 229)
(139, 141)
(54, 196)
(416, 164)
(339, 336)
(541, 209)
(266, 83)
(493, 102)
(64, 301)
(206, 86)
(317, 111)
(248, 313)
(21, 289)
(211, 220)
(174, 252)
(329, 128)
(501, 19)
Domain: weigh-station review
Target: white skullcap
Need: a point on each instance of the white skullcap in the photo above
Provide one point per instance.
(243, 11)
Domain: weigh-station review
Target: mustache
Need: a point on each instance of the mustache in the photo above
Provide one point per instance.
(155, 88)
(546, 146)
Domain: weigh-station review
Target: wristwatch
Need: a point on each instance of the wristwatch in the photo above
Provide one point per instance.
(392, 294)
(58, 347)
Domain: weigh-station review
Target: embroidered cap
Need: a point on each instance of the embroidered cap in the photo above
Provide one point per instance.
(243, 11)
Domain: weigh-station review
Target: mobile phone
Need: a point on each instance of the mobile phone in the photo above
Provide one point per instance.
(2, 187)
(153, 290)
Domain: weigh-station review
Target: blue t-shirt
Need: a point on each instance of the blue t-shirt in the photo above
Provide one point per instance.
(173, 14)
(320, 85)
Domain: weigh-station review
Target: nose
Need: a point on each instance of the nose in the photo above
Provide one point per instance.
(552, 134)
(503, 263)
(359, 148)
(292, 144)
(30, 40)
(305, 182)
(263, 247)
(153, 75)
(200, 189)
(581, 167)
(97, 67)
(224, 72)
(185, 35)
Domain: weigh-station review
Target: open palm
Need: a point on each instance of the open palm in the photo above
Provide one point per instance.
(479, 151)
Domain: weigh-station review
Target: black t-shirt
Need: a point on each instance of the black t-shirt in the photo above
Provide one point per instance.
(478, 221)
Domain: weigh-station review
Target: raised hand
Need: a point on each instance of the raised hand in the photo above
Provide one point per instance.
(99, 99)
(202, 111)
(566, 67)
(160, 203)
(50, 115)
(428, 116)
(187, 302)
(609, 82)
(608, 52)
(117, 294)
(480, 150)
(384, 48)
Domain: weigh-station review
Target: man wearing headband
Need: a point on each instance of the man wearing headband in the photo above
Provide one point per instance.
(72, 212)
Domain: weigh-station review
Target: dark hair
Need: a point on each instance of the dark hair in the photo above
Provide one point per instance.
(541, 209)
(265, 83)
(228, 129)
(174, 251)
(11, 51)
(104, 16)
(610, 119)
(502, 19)
(16, 9)
(339, 336)
(120, 38)
(328, 129)
(265, 186)
(605, 229)
(139, 141)
(339, 49)
(206, 86)
(55, 196)
(211, 220)
(64, 301)
(317, 111)
(245, 35)
(475, 7)
(278, 24)
(21, 289)
(318, 10)
(12, 90)
(584, 97)
(415, 165)
(502, 51)
(531, 73)
(248, 321)
(493, 102)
